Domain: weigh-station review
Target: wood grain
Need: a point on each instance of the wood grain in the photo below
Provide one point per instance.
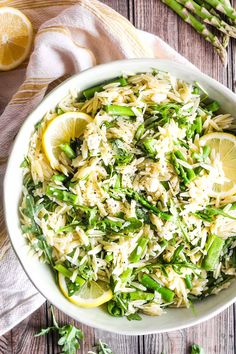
(217, 335)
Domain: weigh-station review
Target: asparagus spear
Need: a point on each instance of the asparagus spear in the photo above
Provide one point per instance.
(198, 26)
(214, 247)
(66, 148)
(141, 295)
(207, 17)
(145, 203)
(90, 92)
(224, 37)
(188, 281)
(119, 110)
(138, 252)
(150, 283)
(223, 7)
(62, 195)
(67, 273)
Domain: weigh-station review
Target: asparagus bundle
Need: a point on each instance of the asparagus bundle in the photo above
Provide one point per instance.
(209, 18)
(198, 13)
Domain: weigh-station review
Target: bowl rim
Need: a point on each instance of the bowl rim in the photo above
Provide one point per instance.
(100, 67)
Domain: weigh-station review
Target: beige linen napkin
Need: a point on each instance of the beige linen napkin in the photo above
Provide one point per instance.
(81, 36)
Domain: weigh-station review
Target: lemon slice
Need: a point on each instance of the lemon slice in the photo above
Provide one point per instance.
(16, 34)
(61, 130)
(224, 144)
(90, 295)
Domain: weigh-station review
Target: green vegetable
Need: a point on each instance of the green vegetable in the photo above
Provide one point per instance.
(132, 225)
(198, 26)
(139, 250)
(141, 295)
(118, 305)
(188, 281)
(186, 174)
(205, 152)
(139, 198)
(117, 183)
(214, 247)
(90, 92)
(201, 157)
(189, 175)
(122, 156)
(223, 7)
(25, 163)
(62, 195)
(198, 125)
(209, 213)
(163, 244)
(150, 283)
(59, 111)
(208, 17)
(69, 227)
(69, 336)
(117, 110)
(164, 113)
(213, 106)
(233, 258)
(149, 146)
(59, 178)
(66, 148)
(108, 257)
(177, 252)
(30, 211)
(46, 248)
(165, 185)
(134, 317)
(120, 225)
(125, 276)
(102, 348)
(72, 287)
(139, 132)
(196, 349)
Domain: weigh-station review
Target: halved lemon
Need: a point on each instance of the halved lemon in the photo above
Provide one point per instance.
(61, 130)
(16, 34)
(224, 144)
(91, 294)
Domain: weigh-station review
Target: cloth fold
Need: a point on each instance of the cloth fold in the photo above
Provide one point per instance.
(69, 39)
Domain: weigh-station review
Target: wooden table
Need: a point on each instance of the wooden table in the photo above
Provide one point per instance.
(217, 335)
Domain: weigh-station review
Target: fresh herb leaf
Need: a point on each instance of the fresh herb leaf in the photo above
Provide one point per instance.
(209, 213)
(122, 155)
(102, 348)
(69, 335)
(25, 163)
(134, 317)
(197, 349)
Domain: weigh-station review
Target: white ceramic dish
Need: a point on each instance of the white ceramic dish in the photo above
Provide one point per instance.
(39, 273)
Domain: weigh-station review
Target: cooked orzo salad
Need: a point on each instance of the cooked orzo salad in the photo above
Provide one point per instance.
(129, 194)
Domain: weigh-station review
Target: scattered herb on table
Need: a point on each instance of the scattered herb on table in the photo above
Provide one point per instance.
(197, 349)
(69, 335)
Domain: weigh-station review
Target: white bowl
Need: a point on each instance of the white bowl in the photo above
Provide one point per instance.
(39, 273)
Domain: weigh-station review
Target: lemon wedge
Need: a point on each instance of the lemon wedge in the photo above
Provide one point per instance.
(16, 35)
(224, 144)
(91, 294)
(61, 130)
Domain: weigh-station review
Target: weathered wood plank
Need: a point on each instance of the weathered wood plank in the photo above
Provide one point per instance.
(119, 6)
(21, 340)
(153, 16)
(216, 336)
